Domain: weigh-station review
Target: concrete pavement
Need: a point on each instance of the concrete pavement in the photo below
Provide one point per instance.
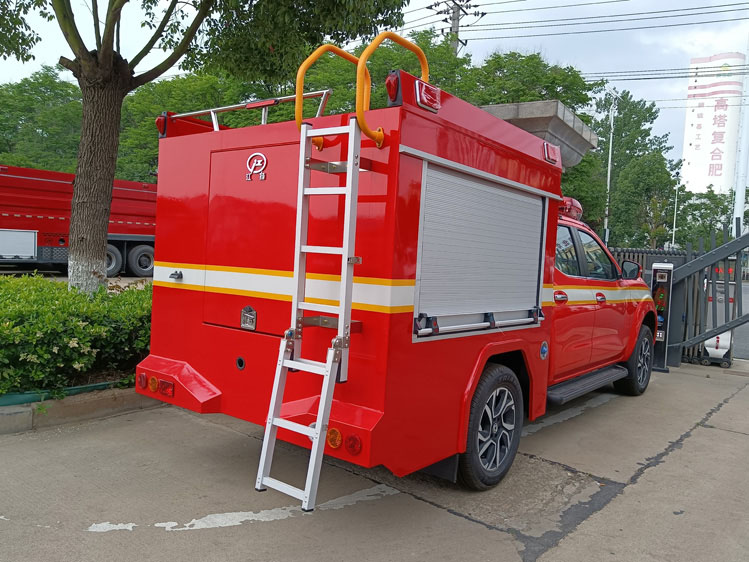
(607, 477)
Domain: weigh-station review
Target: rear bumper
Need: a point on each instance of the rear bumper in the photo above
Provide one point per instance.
(191, 390)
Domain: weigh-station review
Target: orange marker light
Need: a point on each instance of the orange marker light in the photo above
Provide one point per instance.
(334, 438)
(153, 384)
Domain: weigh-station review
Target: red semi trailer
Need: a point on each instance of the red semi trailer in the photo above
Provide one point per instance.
(35, 221)
(403, 296)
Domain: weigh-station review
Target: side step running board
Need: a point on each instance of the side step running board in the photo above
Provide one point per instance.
(569, 390)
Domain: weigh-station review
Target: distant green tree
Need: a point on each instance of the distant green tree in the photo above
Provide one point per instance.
(514, 77)
(633, 139)
(644, 203)
(586, 182)
(40, 122)
(701, 215)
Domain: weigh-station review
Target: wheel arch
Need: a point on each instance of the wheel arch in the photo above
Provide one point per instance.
(513, 355)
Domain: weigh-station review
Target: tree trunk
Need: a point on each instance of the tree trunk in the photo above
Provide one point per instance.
(92, 191)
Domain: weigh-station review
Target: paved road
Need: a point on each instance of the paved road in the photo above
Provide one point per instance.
(659, 478)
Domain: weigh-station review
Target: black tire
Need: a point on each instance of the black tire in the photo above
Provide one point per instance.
(639, 365)
(114, 261)
(140, 261)
(491, 443)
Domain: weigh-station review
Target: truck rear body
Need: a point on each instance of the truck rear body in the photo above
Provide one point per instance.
(456, 269)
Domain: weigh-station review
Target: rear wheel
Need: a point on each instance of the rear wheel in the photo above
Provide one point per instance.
(639, 365)
(114, 260)
(494, 427)
(140, 261)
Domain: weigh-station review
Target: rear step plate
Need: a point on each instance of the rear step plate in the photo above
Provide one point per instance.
(569, 390)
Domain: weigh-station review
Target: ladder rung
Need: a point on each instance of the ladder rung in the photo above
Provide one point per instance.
(283, 487)
(295, 427)
(328, 131)
(306, 365)
(325, 190)
(335, 250)
(315, 307)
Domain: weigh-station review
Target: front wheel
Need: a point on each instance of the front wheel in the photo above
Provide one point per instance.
(639, 365)
(494, 428)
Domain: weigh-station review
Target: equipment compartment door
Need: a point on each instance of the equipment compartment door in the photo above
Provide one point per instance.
(250, 237)
(480, 250)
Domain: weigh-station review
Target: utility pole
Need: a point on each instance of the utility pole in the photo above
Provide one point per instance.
(608, 172)
(455, 25)
(456, 9)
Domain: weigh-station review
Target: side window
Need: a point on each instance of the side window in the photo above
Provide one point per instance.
(566, 260)
(599, 264)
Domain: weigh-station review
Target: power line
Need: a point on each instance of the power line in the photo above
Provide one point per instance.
(668, 70)
(672, 77)
(555, 22)
(693, 107)
(556, 7)
(583, 32)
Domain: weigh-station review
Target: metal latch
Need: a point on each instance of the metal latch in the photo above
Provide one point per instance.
(175, 275)
(354, 260)
(248, 320)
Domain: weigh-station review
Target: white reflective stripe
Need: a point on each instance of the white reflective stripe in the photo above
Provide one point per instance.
(194, 277)
(275, 286)
(578, 294)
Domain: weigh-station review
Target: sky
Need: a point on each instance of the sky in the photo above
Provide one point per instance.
(611, 51)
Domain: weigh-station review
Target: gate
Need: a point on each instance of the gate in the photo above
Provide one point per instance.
(706, 298)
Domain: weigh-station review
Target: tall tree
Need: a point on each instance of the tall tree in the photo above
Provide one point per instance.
(263, 38)
(633, 138)
(645, 202)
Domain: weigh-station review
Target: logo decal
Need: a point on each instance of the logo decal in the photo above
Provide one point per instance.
(256, 164)
(544, 352)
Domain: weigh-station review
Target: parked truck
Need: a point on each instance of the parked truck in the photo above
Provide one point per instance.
(402, 286)
(35, 221)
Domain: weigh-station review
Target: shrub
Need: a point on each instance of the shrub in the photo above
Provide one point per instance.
(50, 334)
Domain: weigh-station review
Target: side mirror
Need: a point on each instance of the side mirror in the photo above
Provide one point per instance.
(631, 270)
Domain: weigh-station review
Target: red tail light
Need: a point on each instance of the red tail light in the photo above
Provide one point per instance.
(142, 380)
(392, 84)
(353, 444)
(166, 388)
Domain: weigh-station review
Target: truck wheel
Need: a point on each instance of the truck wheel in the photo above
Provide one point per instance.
(494, 428)
(140, 261)
(639, 365)
(114, 260)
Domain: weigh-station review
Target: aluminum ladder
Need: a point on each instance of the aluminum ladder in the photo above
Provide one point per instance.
(335, 366)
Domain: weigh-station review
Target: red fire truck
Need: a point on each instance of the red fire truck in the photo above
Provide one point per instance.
(35, 221)
(406, 295)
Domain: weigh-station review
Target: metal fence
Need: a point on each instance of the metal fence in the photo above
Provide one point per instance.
(706, 300)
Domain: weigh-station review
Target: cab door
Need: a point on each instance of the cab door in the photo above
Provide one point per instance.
(611, 328)
(574, 310)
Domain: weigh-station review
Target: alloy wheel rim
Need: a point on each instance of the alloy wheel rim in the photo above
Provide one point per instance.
(643, 362)
(496, 429)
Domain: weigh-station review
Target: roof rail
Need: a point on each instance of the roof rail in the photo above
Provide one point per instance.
(324, 95)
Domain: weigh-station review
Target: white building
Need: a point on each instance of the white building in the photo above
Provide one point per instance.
(711, 128)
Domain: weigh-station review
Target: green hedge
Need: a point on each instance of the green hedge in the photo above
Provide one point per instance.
(49, 334)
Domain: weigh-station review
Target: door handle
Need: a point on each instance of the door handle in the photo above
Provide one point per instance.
(601, 298)
(560, 297)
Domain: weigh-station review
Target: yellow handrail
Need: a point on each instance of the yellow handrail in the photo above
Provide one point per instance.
(309, 61)
(363, 84)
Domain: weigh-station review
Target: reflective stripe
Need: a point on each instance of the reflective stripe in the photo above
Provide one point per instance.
(372, 294)
(581, 294)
